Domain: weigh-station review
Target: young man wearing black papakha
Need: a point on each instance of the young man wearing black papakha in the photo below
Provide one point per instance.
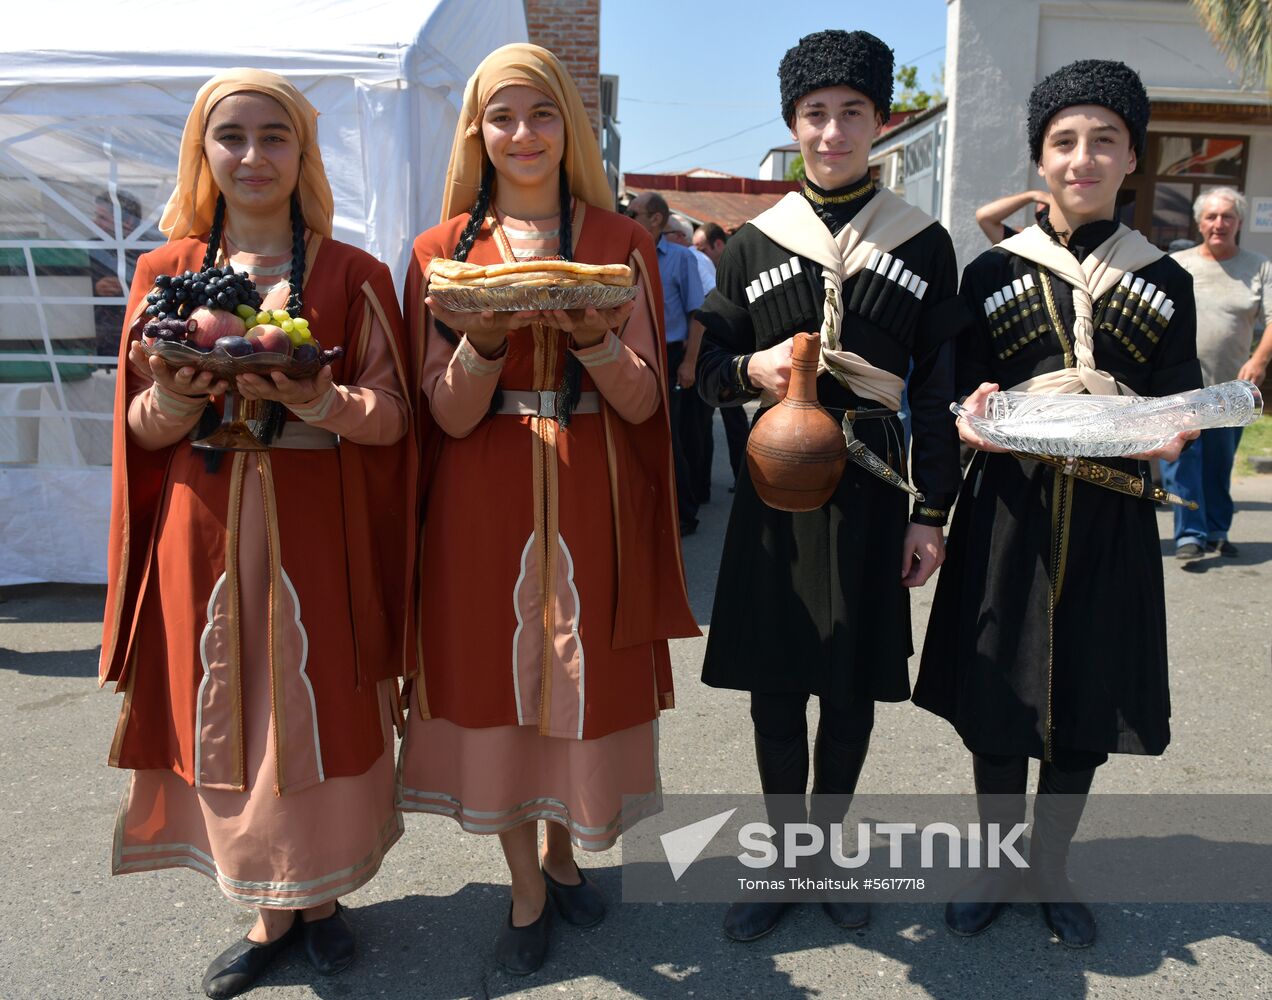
(817, 603)
(1048, 631)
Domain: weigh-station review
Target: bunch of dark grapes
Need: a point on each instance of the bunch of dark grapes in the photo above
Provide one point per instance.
(176, 296)
(169, 329)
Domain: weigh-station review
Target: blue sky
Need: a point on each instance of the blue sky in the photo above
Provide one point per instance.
(698, 72)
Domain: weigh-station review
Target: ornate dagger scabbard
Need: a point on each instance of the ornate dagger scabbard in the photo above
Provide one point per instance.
(859, 454)
(1110, 478)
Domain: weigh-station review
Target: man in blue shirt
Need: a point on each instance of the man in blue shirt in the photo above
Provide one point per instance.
(682, 298)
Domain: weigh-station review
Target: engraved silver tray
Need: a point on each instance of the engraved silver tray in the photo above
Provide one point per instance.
(525, 298)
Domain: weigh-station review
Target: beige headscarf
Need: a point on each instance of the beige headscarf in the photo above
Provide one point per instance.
(530, 66)
(189, 210)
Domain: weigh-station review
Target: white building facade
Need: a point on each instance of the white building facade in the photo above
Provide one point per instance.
(1206, 129)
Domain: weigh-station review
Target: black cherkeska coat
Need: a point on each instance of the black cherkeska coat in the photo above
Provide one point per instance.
(813, 602)
(1048, 628)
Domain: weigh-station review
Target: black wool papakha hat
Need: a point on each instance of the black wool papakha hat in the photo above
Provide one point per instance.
(834, 58)
(1106, 82)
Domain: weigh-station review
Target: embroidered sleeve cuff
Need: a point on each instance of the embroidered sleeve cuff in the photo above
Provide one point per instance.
(475, 364)
(741, 378)
(933, 516)
(313, 410)
(176, 405)
(609, 350)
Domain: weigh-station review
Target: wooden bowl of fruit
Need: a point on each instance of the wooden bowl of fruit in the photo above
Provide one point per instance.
(211, 321)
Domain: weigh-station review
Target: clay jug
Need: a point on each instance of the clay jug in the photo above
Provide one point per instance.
(796, 451)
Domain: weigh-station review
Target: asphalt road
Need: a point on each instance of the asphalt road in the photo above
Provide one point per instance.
(426, 925)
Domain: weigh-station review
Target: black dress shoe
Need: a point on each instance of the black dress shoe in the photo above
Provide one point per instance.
(1072, 923)
(748, 921)
(849, 913)
(983, 899)
(1224, 548)
(236, 969)
(967, 919)
(521, 950)
(580, 904)
(328, 942)
(1068, 917)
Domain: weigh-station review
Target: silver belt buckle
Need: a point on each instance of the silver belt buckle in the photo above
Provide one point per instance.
(547, 403)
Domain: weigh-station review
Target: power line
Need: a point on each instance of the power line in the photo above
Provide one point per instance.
(767, 123)
(696, 104)
(929, 52)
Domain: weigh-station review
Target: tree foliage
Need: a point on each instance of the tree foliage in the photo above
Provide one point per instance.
(912, 97)
(1242, 31)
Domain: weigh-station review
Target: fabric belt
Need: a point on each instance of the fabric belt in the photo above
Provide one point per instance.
(300, 436)
(542, 403)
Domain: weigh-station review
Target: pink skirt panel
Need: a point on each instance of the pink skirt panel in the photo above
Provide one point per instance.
(497, 778)
(293, 851)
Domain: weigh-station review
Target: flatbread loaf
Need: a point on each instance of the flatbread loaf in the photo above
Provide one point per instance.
(445, 273)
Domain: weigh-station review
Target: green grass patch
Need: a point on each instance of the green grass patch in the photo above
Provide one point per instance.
(1255, 440)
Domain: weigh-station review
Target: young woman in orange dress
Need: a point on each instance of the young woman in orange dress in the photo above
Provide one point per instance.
(255, 618)
(550, 568)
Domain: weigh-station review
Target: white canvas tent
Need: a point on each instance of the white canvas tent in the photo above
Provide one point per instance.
(92, 100)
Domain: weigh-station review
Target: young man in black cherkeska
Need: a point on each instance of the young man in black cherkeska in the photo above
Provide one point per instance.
(1048, 630)
(817, 603)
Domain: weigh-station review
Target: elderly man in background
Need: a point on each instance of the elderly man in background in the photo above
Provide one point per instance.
(1233, 288)
(682, 298)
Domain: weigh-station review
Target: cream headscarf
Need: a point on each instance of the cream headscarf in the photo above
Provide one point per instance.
(529, 66)
(189, 210)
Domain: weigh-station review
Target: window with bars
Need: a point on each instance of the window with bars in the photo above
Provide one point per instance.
(80, 199)
(1158, 198)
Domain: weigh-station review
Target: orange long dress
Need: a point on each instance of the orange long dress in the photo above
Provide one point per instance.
(258, 696)
(550, 572)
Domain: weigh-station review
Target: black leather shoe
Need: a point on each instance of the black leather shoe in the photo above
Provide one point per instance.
(748, 921)
(1224, 548)
(521, 950)
(581, 904)
(236, 969)
(848, 914)
(967, 919)
(328, 942)
(983, 899)
(1072, 923)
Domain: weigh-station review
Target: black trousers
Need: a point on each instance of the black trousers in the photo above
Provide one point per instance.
(1063, 785)
(696, 440)
(781, 752)
(686, 501)
(736, 430)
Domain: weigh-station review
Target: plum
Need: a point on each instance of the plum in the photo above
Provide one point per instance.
(235, 347)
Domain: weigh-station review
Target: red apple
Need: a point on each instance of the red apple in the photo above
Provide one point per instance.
(213, 324)
(267, 339)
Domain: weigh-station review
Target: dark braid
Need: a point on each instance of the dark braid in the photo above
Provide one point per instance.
(214, 234)
(297, 277)
(209, 419)
(567, 397)
(476, 218)
(273, 414)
